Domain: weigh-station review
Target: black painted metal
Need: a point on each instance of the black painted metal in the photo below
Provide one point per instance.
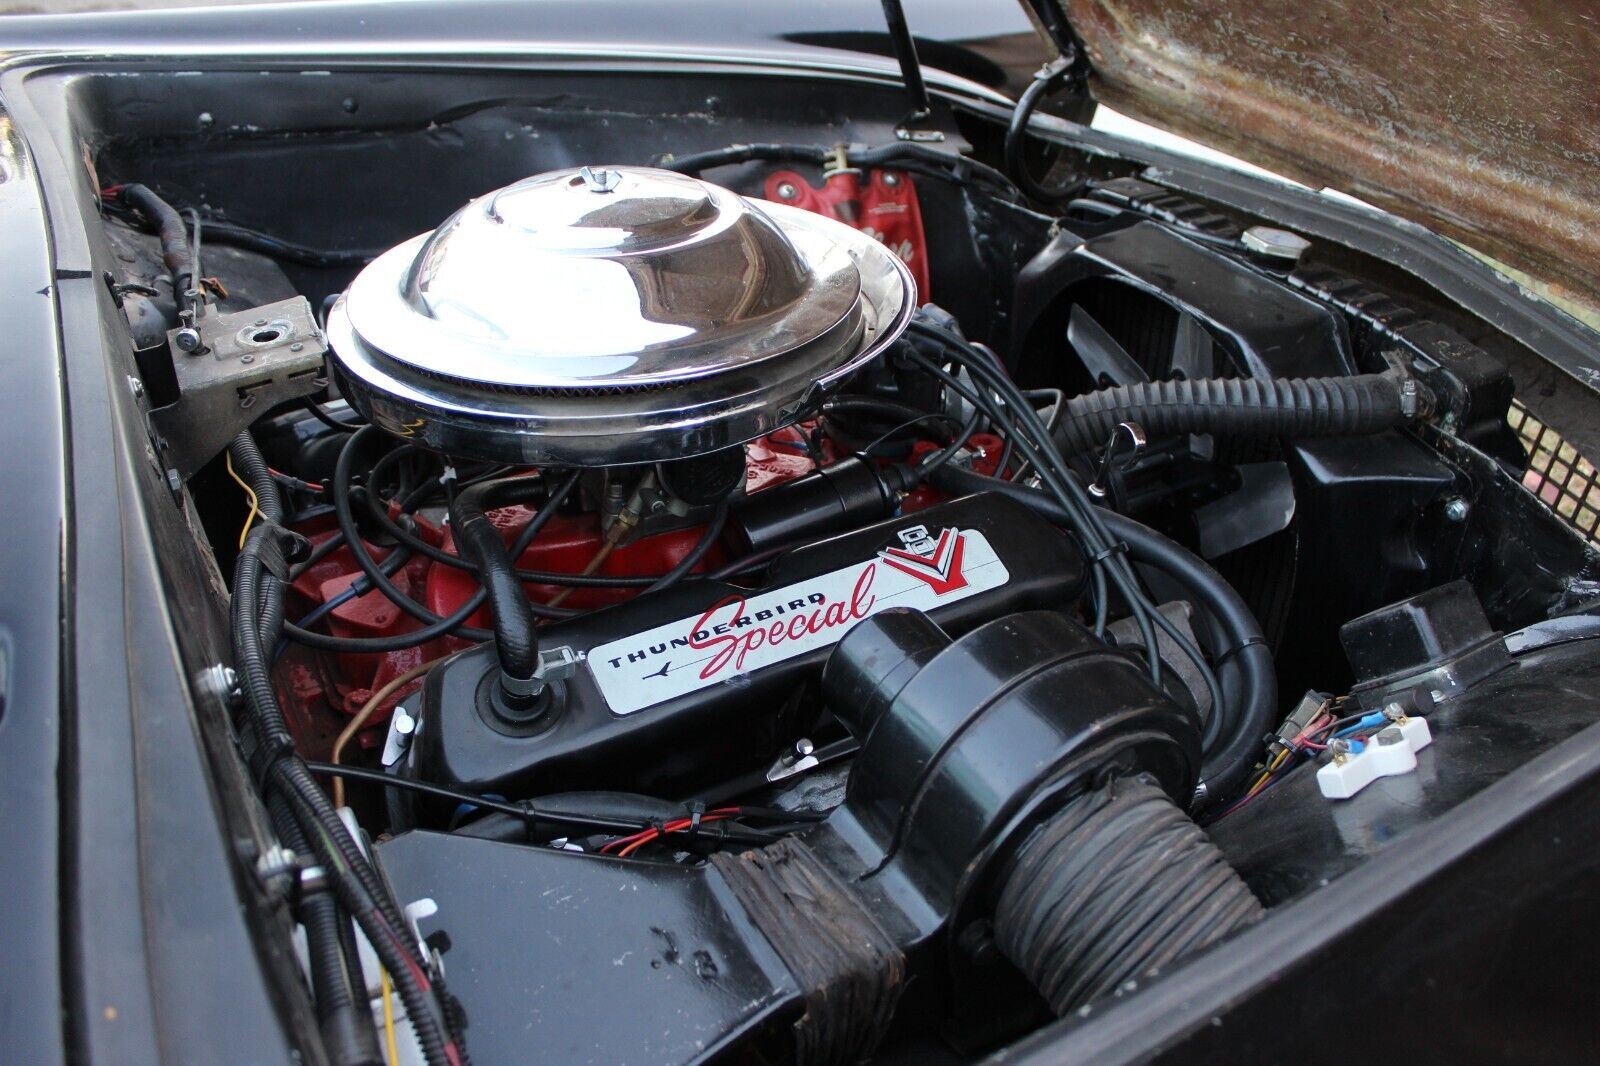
(977, 745)
(742, 722)
(1266, 329)
(564, 957)
(1480, 925)
(1465, 921)
(33, 469)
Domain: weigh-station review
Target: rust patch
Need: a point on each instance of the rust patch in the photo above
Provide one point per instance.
(1477, 118)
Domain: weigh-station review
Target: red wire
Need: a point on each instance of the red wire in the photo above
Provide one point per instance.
(312, 485)
(670, 827)
(629, 844)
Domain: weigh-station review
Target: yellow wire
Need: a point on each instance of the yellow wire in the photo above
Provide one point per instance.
(1272, 768)
(255, 504)
(388, 1020)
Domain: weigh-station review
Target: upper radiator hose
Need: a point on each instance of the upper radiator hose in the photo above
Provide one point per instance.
(1245, 407)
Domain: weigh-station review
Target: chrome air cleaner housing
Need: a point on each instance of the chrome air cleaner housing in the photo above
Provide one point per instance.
(608, 316)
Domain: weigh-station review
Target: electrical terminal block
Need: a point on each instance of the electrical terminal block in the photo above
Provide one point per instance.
(1356, 763)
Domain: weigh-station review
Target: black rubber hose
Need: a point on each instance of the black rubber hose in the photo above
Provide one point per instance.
(703, 546)
(1017, 140)
(392, 943)
(316, 411)
(252, 632)
(892, 412)
(516, 636)
(284, 250)
(176, 251)
(380, 515)
(453, 624)
(1118, 885)
(1245, 668)
(358, 887)
(1237, 407)
(1249, 683)
(251, 466)
(343, 470)
(257, 615)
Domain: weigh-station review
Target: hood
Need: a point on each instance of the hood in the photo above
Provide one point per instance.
(1477, 118)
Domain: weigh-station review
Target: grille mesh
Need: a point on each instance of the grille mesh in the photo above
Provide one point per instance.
(1565, 481)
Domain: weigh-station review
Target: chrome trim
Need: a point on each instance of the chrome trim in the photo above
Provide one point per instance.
(645, 317)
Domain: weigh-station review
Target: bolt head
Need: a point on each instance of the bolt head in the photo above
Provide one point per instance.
(187, 339)
(891, 179)
(1274, 243)
(1456, 509)
(787, 191)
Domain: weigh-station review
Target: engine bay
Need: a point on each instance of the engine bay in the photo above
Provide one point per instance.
(690, 551)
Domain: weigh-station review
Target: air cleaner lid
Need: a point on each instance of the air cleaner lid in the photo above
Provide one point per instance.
(612, 315)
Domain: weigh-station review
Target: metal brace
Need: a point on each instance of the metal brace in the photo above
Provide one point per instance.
(230, 368)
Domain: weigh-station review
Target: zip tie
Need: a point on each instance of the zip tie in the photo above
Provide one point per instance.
(1240, 648)
(1101, 556)
(267, 757)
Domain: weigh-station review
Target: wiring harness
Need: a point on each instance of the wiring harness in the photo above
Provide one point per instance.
(1242, 710)
(300, 808)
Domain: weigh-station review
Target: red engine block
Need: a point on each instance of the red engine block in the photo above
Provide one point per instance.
(321, 691)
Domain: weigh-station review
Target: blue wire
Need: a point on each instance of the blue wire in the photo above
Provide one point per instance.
(320, 613)
(1367, 722)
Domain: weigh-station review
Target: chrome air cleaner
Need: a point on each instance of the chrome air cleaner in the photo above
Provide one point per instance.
(612, 315)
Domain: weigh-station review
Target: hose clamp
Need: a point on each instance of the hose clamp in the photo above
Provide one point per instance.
(555, 664)
(1127, 440)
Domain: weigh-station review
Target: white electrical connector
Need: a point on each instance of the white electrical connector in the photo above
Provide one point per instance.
(1359, 763)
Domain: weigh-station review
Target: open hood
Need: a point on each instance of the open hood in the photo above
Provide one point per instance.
(1477, 118)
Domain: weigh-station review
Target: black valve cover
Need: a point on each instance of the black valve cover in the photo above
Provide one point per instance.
(696, 684)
